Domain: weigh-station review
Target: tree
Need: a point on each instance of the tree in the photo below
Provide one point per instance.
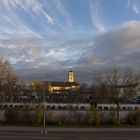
(120, 85)
(3, 72)
(7, 79)
(98, 89)
(10, 82)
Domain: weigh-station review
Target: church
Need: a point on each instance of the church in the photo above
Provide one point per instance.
(62, 87)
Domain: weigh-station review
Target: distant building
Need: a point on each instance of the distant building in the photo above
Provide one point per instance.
(60, 87)
(55, 87)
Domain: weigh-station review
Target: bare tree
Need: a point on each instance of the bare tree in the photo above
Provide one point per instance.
(3, 69)
(11, 82)
(8, 80)
(121, 85)
(98, 88)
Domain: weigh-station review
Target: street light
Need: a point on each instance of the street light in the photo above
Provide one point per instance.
(44, 131)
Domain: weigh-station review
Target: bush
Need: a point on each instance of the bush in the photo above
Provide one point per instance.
(11, 115)
(134, 117)
(39, 115)
(27, 116)
(112, 117)
(94, 117)
(62, 118)
(49, 118)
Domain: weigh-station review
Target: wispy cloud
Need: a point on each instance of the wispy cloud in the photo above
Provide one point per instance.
(134, 5)
(60, 13)
(33, 5)
(119, 46)
(95, 14)
(20, 17)
(11, 24)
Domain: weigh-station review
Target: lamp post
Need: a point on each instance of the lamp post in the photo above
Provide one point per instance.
(44, 131)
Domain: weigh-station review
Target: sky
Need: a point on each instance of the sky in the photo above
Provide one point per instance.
(44, 39)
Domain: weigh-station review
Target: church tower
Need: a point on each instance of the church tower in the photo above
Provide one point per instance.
(70, 76)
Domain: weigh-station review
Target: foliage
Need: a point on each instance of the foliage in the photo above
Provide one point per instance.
(94, 117)
(112, 117)
(62, 118)
(11, 115)
(134, 117)
(27, 116)
(8, 80)
(39, 114)
(49, 117)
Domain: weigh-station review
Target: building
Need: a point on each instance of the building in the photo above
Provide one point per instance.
(60, 87)
(55, 87)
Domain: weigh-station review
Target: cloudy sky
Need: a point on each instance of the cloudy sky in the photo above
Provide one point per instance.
(44, 39)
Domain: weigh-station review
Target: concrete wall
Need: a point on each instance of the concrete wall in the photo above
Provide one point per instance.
(69, 113)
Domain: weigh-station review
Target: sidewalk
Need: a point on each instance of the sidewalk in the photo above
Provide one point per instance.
(62, 129)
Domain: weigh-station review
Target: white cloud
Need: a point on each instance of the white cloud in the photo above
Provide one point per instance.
(63, 12)
(95, 14)
(134, 5)
(27, 5)
(119, 46)
(11, 24)
(17, 17)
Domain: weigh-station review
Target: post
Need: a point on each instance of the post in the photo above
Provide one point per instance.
(118, 113)
(44, 113)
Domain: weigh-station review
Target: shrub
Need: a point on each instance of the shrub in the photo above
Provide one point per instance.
(49, 118)
(39, 114)
(112, 117)
(11, 115)
(62, 118)
(94, 117)
(134, 117)
(27, 116)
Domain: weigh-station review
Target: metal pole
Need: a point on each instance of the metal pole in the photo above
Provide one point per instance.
(44, 113)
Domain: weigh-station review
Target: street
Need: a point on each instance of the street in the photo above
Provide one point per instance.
(68, 134)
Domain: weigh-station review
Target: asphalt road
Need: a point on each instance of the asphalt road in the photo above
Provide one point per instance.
(95, 134)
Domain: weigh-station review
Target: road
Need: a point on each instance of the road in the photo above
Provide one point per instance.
(70, 134)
